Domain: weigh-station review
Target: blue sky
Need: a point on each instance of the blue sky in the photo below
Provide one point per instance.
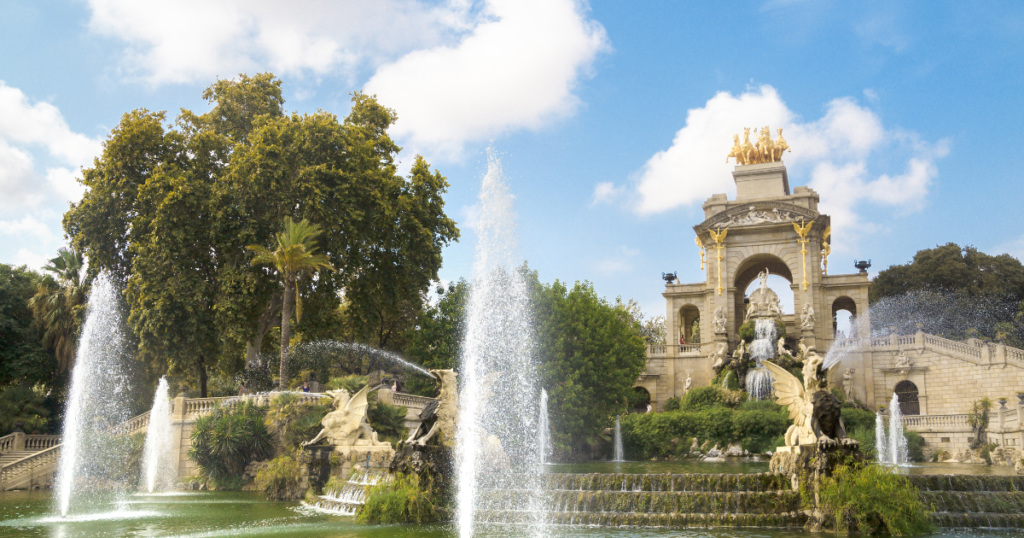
(612, 119)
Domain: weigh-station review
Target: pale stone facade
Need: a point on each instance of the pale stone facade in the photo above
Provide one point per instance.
(944, 376)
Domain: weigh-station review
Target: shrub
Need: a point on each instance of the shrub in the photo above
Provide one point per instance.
(227, 440)
(758, 427)
(731, 381)
(672, 404)
(400, 501)
(279, 480)
(755, 426)
(387, 420)
(352, 383)
(873, 499)
(19, 403)
(859, 420)
(701, 398)
(293, 421)
(746, 331)
(915, 445)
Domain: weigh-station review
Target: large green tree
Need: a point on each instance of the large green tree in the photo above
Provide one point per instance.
(952, 268)
(170, 209)
(23, 358)
(435, 341)
(591, 354)
(59, 305)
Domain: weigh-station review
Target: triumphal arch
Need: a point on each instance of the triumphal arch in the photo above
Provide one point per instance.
(768, 226)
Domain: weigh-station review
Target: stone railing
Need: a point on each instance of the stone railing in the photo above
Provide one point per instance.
(687, 350)
(41, 442)
(21, 441)
(960, 348)
(656, 349)
(410, 400)
(934, 421)
(1015, 355)
(133, 424)
(15, 473)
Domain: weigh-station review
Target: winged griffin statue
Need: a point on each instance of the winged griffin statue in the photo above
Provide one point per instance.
(814, 410)
(346, 425)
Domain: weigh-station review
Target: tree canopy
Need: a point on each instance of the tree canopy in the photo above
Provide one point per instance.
(951, 268)
(23, 359)
(170, 209)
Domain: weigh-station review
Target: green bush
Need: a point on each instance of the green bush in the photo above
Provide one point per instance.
(731, 381)
(701, 398)
(860, 420)
(387, 420)
(227, 440)
(915, 445)
(746, 331)
(672, 404)
(279, 480)
(19, 403)
(292, 420)
(873, 499)
(759, 427)
(400, 501)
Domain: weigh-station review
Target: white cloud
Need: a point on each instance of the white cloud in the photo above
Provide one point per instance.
(1014, 248)
(836, 153)
(27, 226)
(40, 156)
(31, 259)
(617, 263)
(516, 69)
(606, 192)
(186, 40)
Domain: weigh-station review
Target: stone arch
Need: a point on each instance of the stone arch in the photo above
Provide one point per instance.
(842, 303)
(907, 392)
(687, 314)
(747, 271)
(643, 401)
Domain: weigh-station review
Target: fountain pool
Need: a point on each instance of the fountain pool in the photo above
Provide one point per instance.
(215, 514)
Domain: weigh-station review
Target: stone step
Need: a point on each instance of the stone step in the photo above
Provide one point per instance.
(992, 502)
(627, 519)
(967, 483)
(645, 502)
(12, 456)
(724, 483)
(954, 520)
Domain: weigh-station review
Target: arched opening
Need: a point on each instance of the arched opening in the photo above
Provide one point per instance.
(907, 393)
(643, 400)
(780, 280)
(689, 321)
(844, 312)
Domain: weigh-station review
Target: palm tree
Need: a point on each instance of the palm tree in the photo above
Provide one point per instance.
(59, 303)
(294, 256)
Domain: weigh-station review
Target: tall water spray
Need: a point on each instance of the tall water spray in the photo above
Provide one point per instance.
(881, 444)
(762, 348)
(618, 456)
(98, 398)
(497, 413)
(543, 429)
(898, 452)
(158, 456)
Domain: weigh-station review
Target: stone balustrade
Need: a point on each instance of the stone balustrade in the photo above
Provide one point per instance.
(133, 425)
(934, 421)
(31, 471)
(21, 441)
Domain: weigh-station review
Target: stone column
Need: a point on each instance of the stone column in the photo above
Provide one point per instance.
(18, 443)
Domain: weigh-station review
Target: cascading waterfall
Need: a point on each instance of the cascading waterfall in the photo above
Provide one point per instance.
(898, 452)
(543, 429)
(618, 456)
(881, 444)
(158, 457)
(97, 399)
(759, 379)
(497, 428)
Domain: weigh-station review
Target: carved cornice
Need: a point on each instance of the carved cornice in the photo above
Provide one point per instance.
(763, 213)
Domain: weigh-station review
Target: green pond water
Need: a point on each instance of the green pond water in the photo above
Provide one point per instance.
(752, 466)
(215, 514)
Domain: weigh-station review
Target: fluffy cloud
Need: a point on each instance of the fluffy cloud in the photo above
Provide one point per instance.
(39, 159)
(517, 69)
(187, 40)
(836, 155)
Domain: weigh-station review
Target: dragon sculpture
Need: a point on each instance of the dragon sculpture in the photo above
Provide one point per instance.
(814, 410)
(346, 425)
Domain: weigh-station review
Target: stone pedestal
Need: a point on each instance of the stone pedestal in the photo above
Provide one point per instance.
(807, 337)
(361, 457)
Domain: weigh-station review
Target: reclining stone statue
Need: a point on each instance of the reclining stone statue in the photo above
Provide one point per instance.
(346, 425)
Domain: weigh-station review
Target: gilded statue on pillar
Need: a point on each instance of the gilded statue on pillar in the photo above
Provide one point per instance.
(765, 150)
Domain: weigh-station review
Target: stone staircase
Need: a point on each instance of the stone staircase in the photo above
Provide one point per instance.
(964, 501)
(637, 500)
(28, 461)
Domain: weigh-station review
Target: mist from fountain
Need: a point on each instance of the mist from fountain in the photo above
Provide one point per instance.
(881, 445)
(97, 399)
(762, 348)
(158, 455)
(898, 452)
(618, 456)
(320, 349)
(497, 412)
(543, 429)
